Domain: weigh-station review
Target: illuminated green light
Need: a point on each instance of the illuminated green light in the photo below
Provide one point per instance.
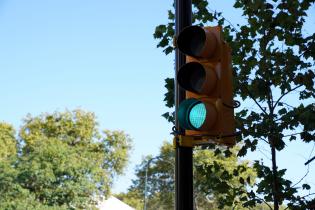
(197, 115)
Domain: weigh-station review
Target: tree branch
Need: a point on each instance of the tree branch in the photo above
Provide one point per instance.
(288, 105)
(302, 197)
(310, 160)
(252, 97)
(313, 158)
(264, 140)
(293, 134)
(272, 105)
(308, 195)
(275, 190)
(263, 201)
(286, 94)
(308, 169)
(263, 154)
(224, 19)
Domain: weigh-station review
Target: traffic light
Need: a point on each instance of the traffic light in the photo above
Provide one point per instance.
(206, 77)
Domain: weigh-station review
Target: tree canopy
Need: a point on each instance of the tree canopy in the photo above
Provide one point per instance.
(59, 161)
(216, 180)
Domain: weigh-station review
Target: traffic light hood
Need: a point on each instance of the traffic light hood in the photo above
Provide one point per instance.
(199, 42)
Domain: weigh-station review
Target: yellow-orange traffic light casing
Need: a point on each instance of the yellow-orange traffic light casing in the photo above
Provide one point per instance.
(207, 80)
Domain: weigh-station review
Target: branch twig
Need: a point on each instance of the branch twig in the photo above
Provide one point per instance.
(263, 201)
(252, 97)
(286, 94)
(302, 198)
(293, 134)
(308, 169)
(310, 160)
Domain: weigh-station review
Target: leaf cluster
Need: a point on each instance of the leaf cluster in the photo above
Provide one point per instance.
(217, 175)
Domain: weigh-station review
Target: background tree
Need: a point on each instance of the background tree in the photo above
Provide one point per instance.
(13, 196)
(7, 142)
(272, 59)
(212, 170)
(63, 161)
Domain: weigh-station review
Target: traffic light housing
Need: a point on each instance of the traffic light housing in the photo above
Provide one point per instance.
(206, 77)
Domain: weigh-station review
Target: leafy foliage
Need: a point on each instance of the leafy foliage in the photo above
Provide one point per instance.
(132, 198)
(218, 173)
(63, 162)
(216, 180)
(169, 99)
(272, 58)
(7, 142)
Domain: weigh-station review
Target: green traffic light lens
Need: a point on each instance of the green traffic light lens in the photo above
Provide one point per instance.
(183, 113)
(197, 115)
(192, 114)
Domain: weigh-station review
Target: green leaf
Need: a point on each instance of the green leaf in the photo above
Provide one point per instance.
(282, 111)
(242, 151)
(306, 187)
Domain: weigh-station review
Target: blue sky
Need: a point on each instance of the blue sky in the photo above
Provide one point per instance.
(96, 55)
(99, 56)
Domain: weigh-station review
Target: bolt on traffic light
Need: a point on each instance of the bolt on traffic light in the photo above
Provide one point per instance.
(207, 80)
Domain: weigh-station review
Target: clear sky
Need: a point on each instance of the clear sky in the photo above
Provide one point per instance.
(99, 56)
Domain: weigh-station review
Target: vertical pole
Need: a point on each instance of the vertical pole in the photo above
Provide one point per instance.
(146, 185)
(184, 160)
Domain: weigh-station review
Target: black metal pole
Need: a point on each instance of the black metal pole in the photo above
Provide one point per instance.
(184, 159)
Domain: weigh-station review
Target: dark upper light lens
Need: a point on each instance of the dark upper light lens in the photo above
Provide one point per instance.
(197, 115)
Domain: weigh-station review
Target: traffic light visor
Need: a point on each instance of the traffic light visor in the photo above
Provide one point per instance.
(199, 42)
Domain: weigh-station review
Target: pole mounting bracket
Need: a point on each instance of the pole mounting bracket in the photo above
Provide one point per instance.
(192, 141)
